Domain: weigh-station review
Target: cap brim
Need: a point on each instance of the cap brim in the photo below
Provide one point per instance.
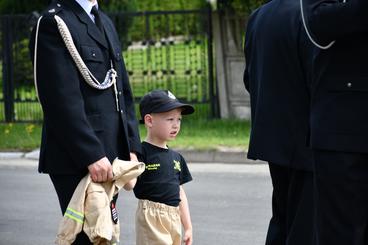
(187, 109)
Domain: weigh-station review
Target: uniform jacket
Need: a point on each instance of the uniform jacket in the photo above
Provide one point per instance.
(81, 124)
(276, 76)
(89, 208)
(339, 115)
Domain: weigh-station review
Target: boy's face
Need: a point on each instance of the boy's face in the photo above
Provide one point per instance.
(164, 126)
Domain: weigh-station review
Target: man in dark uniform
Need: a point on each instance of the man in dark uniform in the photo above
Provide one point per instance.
(278, 57)
(339, 118)
(84, 128)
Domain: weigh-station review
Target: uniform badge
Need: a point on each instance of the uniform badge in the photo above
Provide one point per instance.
(171, 96)
(114, 212)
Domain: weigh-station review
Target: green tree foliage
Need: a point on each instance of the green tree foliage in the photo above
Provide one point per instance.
(21, 6)
(113, 6)
(156, 5)
(240, 6)
(27, 6)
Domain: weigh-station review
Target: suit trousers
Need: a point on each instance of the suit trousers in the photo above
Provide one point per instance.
(341, 181)
(65, 186)
(292, 221)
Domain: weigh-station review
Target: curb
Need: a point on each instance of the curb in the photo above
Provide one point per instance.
(215, 156)
(193, 156)
(11, 155)
(32, 155)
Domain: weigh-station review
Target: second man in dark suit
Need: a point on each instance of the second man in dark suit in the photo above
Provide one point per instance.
(278, 57)
(339, 118)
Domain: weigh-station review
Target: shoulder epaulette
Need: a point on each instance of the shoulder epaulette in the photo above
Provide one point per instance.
(53, 9)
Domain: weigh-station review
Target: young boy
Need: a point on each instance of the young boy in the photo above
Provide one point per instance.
(162, 205)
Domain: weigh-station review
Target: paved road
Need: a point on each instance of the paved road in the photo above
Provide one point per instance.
(230, 204)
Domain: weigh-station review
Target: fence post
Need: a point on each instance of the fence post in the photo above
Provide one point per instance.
(213, 86)
(8, 79)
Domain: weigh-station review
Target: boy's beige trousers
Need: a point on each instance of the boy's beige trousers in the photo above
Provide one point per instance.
(157, 224)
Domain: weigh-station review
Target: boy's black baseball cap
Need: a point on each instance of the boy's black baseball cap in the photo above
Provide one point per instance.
(161, 101)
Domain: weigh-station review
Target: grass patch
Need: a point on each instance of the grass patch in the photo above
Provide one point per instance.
(19, 136)
(210, 134)
(196, 134)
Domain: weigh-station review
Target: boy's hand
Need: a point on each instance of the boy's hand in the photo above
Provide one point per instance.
(188, 237)
(133, 157)
(130, 185)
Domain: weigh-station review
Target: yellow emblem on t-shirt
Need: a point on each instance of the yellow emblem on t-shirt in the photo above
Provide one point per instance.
(177, 165)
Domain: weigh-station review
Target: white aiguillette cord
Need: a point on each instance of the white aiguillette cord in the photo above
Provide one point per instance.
(110, 78)
(308, 33)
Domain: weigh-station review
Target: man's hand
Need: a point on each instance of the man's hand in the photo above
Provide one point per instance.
(101, 171)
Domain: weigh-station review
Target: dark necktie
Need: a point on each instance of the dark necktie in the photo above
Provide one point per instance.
(98, 22)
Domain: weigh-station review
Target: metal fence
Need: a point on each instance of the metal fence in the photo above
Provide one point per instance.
(163, 49)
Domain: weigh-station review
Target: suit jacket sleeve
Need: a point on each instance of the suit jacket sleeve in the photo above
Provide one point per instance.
(330, 19)
(58, 83)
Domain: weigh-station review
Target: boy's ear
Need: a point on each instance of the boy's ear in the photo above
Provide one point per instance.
(148, 120)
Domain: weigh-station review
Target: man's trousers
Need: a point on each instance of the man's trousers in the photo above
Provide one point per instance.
(292, 221)
(341, 198)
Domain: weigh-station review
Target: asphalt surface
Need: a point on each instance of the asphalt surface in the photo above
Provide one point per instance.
(230, 204)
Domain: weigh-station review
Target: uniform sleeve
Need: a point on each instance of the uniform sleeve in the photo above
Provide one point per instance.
(185, 175)
(129, 113)
(330, 19)
(305, 52)
(132, 122)
(61, 99)
(247, 50)
(246, 71)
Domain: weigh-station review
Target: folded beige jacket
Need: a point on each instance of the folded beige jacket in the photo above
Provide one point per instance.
(89, 209)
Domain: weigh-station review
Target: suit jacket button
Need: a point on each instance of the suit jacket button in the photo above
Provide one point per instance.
(121, 111)
(349, 85)
(119, 93)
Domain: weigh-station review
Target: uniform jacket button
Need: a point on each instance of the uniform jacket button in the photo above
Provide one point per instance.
(349, 85)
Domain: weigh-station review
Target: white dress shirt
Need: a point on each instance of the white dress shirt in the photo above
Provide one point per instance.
(87, 6)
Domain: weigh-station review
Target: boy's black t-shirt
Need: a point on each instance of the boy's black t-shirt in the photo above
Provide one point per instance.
(165, 171)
